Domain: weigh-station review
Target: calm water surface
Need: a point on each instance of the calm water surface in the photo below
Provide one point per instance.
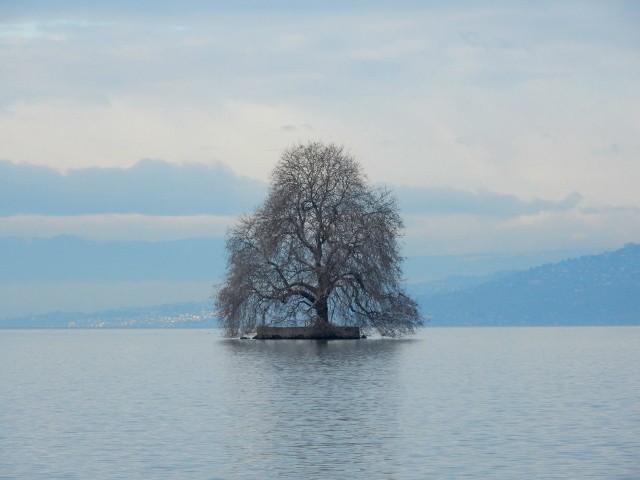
(450, 403)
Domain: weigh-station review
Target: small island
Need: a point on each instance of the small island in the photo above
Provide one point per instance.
(308, 333)
(320, 258)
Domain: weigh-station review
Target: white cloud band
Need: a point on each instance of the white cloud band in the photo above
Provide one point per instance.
(116, 227)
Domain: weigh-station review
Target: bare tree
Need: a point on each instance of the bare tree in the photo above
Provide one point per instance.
(322, 248)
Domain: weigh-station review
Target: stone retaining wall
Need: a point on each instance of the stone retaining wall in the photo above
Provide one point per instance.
(310, 333)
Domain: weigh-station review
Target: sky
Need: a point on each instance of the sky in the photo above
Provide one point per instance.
(502, 126)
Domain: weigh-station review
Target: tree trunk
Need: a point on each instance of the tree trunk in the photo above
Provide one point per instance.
(322, 311)
(322, 328)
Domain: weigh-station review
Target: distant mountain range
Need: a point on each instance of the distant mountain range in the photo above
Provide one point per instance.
(599, 289)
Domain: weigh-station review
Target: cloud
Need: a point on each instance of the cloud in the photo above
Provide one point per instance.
(116, 227)
(456, 101)
(158, 188)
(449, 201)
(159, 201)
(150, 187)
(544, 231)
(500, 96)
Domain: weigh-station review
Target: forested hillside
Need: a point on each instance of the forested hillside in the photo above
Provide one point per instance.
(591, 290)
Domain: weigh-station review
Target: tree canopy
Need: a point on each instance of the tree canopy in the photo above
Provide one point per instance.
(322, 249)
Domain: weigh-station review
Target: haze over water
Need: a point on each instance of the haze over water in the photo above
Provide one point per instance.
(450, 403)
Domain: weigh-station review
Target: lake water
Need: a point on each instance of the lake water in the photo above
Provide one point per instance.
(450, 403)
